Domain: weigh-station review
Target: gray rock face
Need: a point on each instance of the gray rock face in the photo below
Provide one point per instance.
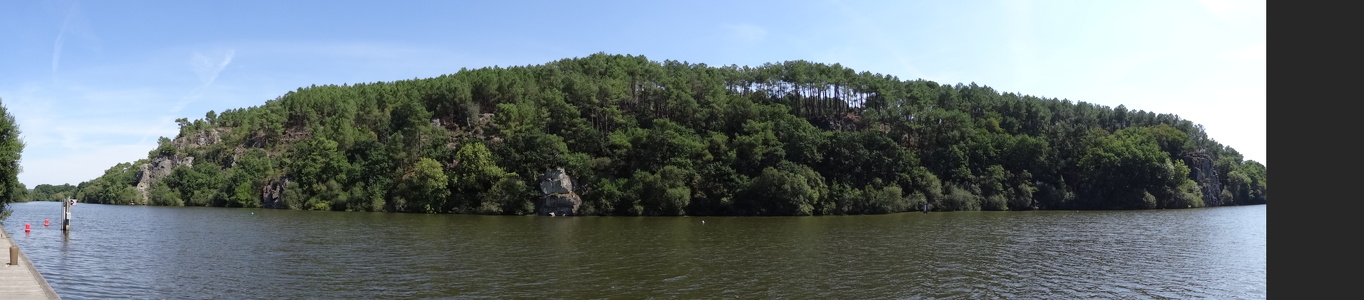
(161, 166)
(198, 138)
(556, 182)
(156, 169)
(558, 198)
(559, 205)
(1201, 165)
(272, 193)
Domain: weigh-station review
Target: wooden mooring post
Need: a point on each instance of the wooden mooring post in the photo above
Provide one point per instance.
(19, 278)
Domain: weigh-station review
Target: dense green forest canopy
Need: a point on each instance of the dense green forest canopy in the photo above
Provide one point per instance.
(48, 192)
(641, 137)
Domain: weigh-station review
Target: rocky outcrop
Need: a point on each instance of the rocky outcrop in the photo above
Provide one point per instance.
(1203, 172)
(199, 138)
(556, 182)
(161, 166)
(558, 198)
(559, 205)
(156, 169)
(272, 193)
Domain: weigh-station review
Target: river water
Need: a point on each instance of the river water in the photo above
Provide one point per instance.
(230, 253)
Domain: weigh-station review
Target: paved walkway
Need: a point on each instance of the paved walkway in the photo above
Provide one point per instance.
(20, 282)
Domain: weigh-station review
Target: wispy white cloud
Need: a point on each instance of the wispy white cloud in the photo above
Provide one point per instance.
(71, 31)
(208, 66)
(57, 48)
(61, 37)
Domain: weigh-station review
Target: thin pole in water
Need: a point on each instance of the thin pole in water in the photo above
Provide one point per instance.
(66, 213)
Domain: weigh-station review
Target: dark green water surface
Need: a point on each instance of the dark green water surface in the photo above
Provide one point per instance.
(122, 252)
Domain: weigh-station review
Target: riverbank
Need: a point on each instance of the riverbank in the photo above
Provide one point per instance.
(21, 281)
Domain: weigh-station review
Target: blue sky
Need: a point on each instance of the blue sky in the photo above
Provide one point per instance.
(95, 83)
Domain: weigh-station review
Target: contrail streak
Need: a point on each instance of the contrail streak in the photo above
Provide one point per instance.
(61, 38)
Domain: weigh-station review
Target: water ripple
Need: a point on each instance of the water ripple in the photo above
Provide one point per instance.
(216, 253)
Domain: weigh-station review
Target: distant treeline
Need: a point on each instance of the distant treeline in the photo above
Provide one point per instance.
(48, 192)
(642, 137)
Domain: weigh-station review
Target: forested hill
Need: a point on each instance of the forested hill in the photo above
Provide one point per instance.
(641, 137)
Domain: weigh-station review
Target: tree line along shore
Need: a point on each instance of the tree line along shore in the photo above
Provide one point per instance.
(631, 136)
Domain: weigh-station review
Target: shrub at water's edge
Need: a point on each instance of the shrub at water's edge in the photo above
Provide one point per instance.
(641, 137)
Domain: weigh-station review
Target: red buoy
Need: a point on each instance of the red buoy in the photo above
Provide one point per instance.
(47, 223)
(27, 227)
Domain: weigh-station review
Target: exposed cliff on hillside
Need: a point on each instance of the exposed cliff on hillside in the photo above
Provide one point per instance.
(163, 164)
(156, 169)
(1202, 171)
(645, 137)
